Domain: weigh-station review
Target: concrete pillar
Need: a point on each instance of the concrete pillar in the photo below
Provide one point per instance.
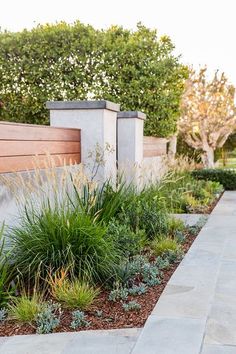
(97, 121)
(130, 143)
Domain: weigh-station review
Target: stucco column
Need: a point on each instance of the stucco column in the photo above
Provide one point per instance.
(97, 121)
(130, 143)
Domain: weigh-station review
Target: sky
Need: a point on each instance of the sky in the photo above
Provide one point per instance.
(203, 31)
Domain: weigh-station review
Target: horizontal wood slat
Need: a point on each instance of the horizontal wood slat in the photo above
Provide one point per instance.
(16, 164)
(153, 146)
(19, 148)
(24, 147)
(37, 132)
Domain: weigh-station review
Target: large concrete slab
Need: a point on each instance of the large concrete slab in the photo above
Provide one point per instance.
(221, 324)
(163, 335)
(222, 222)
(226, 279)
(227, 205)
(184, 301)
(216, 234)
(104, 342)
(36, 344)
(207, 254)
(84, 342)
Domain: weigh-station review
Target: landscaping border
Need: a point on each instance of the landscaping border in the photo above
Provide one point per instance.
(191, 315)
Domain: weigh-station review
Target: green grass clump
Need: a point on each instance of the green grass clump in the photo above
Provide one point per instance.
(57, 237)
(6, 273)
(102, 202)
(175, 225)
(73, 293)
(76, 294)
(162, 246)
(25, 308)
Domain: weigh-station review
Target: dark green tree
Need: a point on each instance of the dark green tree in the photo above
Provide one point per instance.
(66, 62)
(51, 62)
(139, 70)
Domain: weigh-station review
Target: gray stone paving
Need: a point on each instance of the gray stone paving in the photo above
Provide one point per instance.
(197, 310)
(119, 341)
(196, 313)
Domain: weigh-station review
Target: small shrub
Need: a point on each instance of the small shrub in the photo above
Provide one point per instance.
(162, 263)
(126, 240)
(131, 306)
(79, 320)
(144, 212)
(99, 313)
(152, 219)
(175, 226)
(227, 178)
(195, 229)
(118, 294)
(138, 289)
(73, 293)
(48, 318)
(124, 273)
(148, 273)
(164, 245)
(3, 315)
(193, 205)
(173, 256)
(25, 308)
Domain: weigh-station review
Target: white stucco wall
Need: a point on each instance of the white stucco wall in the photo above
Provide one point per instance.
(8, 206)
(98, 130)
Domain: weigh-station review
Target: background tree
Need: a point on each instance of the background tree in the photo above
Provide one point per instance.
(208, 113)
(50, 62)
(67, 62)
(139, 70)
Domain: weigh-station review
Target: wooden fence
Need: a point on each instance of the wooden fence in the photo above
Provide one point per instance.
(23, 145)
(153, 146)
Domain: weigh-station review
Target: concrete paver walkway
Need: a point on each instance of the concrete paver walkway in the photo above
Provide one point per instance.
(84, 342)
(197, 310)
(196, 314)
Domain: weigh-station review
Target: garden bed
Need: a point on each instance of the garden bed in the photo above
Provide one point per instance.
(96, 257)
(113, 316)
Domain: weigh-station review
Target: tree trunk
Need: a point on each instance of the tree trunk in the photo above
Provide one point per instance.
(208, 158)
(172, 147)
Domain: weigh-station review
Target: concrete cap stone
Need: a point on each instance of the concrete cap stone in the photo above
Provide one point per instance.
(65, 105)
(131, 114)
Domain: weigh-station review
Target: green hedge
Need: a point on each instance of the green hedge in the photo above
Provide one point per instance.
(226, 177)
(137, 69)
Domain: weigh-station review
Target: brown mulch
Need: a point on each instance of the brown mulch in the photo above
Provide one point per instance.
(113, 315)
